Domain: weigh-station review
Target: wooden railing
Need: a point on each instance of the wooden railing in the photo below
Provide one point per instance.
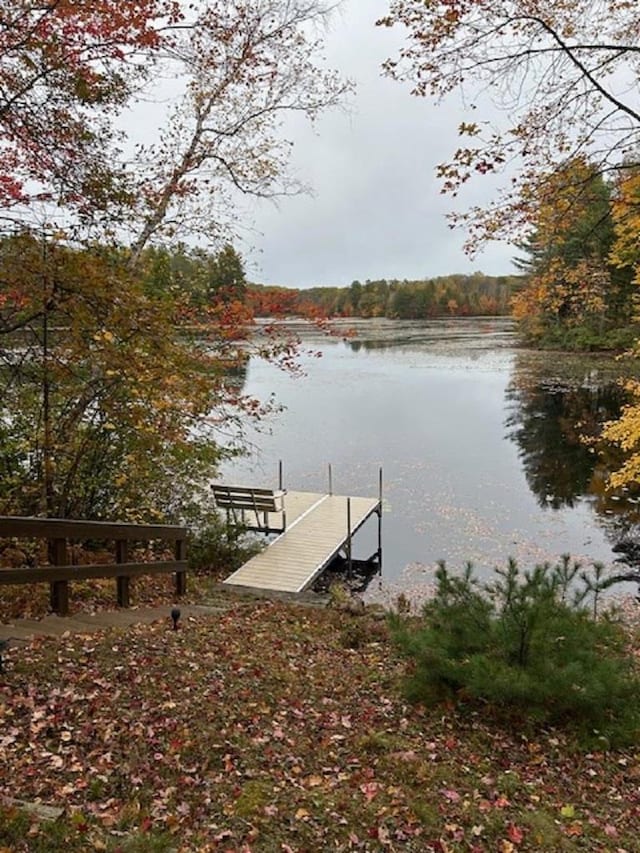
(59, 573)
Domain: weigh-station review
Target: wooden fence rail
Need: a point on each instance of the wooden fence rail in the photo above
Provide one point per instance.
(57, 532)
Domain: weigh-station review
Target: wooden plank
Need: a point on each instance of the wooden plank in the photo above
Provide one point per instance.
(243, 498)
(74, 573)
(63, 528)
(293, 561)
(180, 554)
(260, 504)
(244, 490)
(123, 581)
(59, 588)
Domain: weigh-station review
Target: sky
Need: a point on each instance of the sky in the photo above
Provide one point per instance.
(376, 209)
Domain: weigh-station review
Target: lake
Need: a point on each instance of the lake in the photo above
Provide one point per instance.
(479, 442)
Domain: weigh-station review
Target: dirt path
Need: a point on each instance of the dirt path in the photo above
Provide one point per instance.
(88, 623)
(24, 630)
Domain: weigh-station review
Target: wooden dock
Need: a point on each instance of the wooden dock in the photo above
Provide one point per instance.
(319, 526)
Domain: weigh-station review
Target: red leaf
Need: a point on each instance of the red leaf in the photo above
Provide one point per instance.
(369, 789)
(451, 795)
(514, 833)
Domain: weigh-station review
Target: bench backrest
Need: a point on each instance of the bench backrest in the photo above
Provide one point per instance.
(245, 498)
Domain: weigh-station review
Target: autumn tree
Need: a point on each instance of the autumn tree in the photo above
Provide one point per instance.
(625, 214)
(571, 281)
(226, 73)
(65, 69)
(545, 83)
(110, 406)
(227, 277)
(109, 401)
(624, 433)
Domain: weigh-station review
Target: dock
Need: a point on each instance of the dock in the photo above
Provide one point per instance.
(318, 527)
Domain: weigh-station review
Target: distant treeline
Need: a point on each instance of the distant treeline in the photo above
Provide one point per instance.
(450, 295)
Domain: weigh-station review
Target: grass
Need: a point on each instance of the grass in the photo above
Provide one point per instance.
(274, 727)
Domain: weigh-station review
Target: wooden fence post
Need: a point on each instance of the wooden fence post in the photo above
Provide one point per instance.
(180, 553)
(123, 581)
(59, 590)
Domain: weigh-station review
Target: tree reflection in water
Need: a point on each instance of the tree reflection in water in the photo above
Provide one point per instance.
(555, 423)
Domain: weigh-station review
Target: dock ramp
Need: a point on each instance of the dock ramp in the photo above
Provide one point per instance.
(319, 526)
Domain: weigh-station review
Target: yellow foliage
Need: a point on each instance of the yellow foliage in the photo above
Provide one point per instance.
(573, 292)
(625, 433)
(626, 218)
(570, 277)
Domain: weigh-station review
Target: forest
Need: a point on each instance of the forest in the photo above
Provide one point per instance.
(444, 296)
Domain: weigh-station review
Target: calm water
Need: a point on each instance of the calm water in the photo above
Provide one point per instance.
(479, 442)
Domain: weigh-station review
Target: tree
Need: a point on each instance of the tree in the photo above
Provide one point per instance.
(625, 252)
(111, 404)
(227, 276)
(574, 279)
(525, 647)
(65, 68)
(110, 407)
(244, 66)
(563, 75)
(69, 69)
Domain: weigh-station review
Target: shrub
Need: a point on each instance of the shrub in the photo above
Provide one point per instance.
(520, 646)
(218, 548)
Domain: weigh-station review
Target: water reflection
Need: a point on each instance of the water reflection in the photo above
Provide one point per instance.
(551, 419)
(470, 334)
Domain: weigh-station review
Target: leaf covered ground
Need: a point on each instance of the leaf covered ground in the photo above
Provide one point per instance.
(33, 600)
(272, 727)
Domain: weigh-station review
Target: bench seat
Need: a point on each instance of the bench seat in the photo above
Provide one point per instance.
(251, 507)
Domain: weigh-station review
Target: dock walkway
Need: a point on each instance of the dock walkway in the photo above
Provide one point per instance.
(317, 530)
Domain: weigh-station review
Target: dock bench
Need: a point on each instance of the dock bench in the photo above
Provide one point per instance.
(252, 508)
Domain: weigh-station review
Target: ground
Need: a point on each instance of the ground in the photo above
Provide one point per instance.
(275, 727)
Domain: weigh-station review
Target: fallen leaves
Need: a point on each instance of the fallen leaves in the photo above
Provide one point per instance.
(451, 795)
(370, 789)
(515, 834)
(257, 730)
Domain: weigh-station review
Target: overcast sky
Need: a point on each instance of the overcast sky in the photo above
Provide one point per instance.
(377, 211)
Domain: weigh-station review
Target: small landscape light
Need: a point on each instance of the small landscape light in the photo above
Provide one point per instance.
(175, 615)
(3, 646)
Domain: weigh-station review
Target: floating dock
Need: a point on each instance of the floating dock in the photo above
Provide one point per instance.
(318, 527)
